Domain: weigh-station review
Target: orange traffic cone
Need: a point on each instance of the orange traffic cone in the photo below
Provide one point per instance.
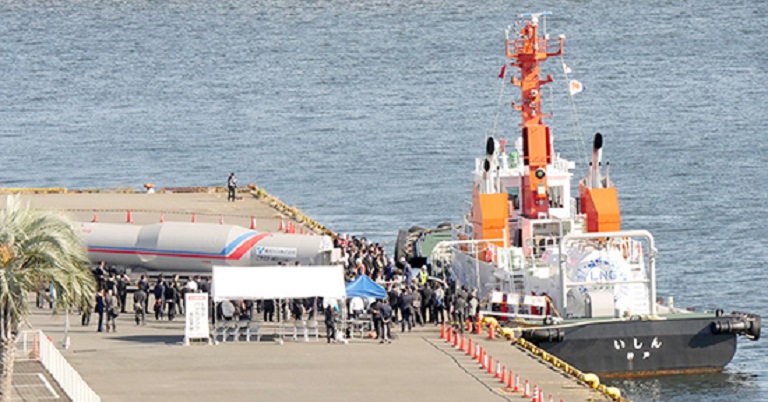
(535, 392)
(469, 347)
(516, 388)
(527, 391)
(450, 333)
(442, 331)
(193, 218)
(95, 216)
(490, 332)
(281, 228)
(162, 218)
(128, 217)
(504, 374)
(221, 219)
(490, 364)
(253, 223)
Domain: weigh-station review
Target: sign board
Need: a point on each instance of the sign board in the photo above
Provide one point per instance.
(284, 252)
(196, 326)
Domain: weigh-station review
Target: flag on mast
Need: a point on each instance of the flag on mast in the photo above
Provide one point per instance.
(567, 69)
(575, 87)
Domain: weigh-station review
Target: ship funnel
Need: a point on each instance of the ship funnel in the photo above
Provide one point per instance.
(490, 146)
(597, 162)
(598, 142)
(490, 165)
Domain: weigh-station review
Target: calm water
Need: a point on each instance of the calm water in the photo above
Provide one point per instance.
(367, 115)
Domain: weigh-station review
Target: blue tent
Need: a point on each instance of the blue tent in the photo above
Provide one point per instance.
(363, 286)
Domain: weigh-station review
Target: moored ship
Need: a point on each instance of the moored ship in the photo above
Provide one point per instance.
(584, 288)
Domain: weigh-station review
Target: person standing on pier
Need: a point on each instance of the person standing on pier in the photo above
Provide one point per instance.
(111, 304)
(406, 306)
(100, 309)
(385, 317)
(330, 323)
(231, 186)
(140, 306)
(143, 284)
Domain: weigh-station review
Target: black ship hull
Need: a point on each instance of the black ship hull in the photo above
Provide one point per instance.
(637, 348)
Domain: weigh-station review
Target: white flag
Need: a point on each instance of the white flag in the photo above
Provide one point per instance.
(575, 87)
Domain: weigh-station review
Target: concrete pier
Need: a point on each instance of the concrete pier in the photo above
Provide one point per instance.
(149, 363)
(207, 204)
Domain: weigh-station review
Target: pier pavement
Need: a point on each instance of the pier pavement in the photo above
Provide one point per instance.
(210, 205)
(149, 363)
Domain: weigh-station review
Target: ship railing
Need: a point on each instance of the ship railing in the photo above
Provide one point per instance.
(649, 281)
(516, 305)
(562, 164)
(470, 248)
(543, 45)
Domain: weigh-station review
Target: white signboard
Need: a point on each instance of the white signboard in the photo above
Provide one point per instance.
(197, 317)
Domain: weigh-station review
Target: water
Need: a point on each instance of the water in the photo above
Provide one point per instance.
(367, 116)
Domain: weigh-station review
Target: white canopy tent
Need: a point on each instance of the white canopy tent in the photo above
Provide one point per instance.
(278, 282)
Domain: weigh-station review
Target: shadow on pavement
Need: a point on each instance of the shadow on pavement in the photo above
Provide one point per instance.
(166, 339)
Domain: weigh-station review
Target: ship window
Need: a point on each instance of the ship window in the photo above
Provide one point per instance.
(513, 196)
(556, 197)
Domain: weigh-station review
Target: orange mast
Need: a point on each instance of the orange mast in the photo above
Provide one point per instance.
(526, 53)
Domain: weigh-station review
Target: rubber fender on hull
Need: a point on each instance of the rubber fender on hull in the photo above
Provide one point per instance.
(745, 324)
(544, 335)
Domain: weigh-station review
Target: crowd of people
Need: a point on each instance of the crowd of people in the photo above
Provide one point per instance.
(112, 297)
(413, 298)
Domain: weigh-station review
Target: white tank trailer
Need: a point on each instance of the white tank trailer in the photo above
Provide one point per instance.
(196, 247)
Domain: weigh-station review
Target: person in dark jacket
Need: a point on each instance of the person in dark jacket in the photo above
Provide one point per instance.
(385, 317)
(170, 300)
(269, 310)
(330, 323)
(394, 302)
(143, 284)
(406, 306)
(426, 303)
(122, 291)
(417, 304)
(459, 310)
(158, 291)
(100, 309)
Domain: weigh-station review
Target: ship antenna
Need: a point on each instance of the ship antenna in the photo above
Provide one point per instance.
(500, 100)
(575, 124)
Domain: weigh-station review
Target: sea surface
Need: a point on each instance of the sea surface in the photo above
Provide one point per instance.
(368, 115)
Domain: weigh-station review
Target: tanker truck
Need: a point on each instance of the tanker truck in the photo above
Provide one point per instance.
(196, 247)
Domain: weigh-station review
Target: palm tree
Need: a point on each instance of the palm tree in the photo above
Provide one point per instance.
(36, 248)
